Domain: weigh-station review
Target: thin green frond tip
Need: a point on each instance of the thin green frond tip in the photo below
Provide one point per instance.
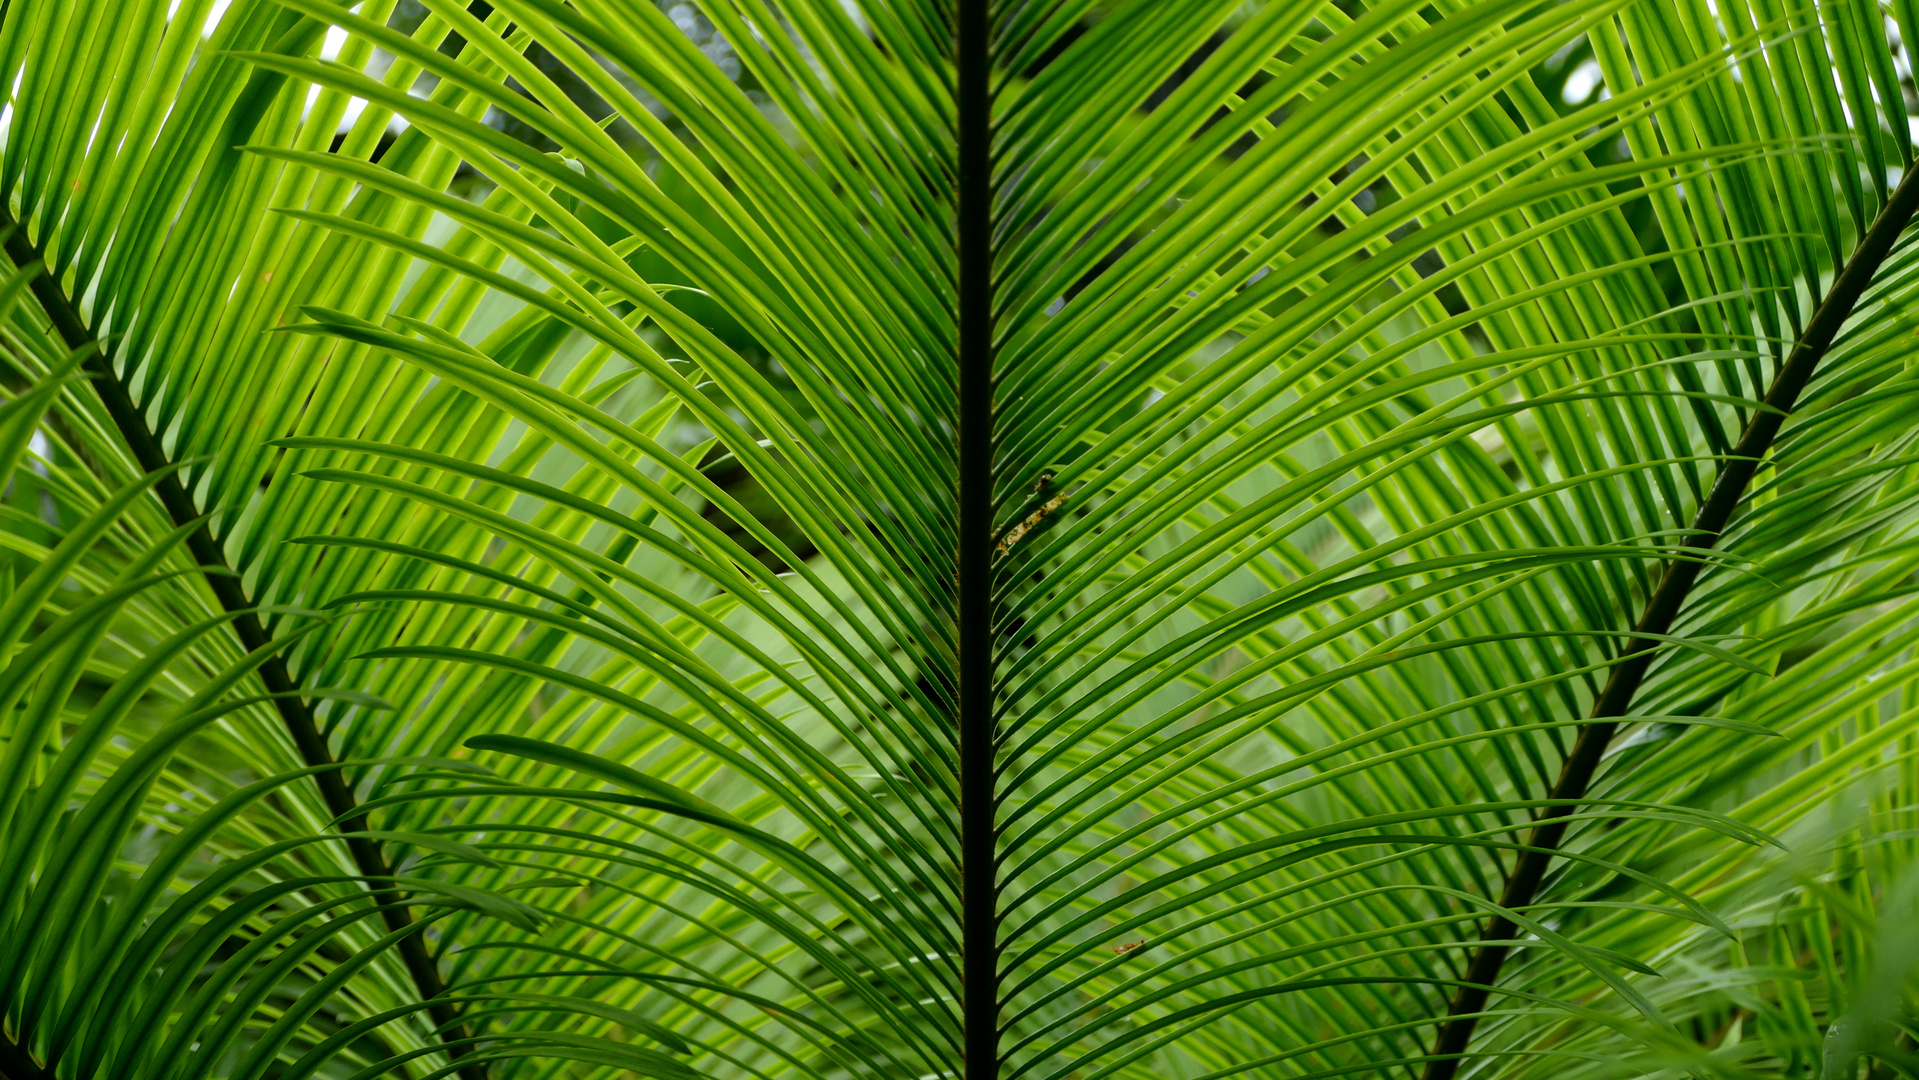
(599, 768)
(432, 842)
(593, 1050)
(351, 695)
(486, 901)
(626, 1018)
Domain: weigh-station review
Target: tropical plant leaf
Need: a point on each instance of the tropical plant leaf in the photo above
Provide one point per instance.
(878, 538)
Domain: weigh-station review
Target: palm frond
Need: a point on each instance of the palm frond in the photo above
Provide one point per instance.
(1066, 539)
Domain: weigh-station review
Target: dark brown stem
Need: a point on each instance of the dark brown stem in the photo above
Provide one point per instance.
(1661, 609)
(207, 552)
(978, 737)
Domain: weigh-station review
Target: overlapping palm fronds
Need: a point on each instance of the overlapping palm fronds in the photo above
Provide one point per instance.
(1040, 541)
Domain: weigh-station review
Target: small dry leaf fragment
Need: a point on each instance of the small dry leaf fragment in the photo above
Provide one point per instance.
(1127, 947)
(1032, 521)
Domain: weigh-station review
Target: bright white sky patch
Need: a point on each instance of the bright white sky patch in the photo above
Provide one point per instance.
(1579, 85)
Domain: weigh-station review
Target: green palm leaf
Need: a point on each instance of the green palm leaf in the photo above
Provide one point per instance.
(1068, 539)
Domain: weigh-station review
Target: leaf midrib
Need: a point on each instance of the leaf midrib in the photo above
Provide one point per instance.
(295, 713)
(1661, 610)
(978, 737)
